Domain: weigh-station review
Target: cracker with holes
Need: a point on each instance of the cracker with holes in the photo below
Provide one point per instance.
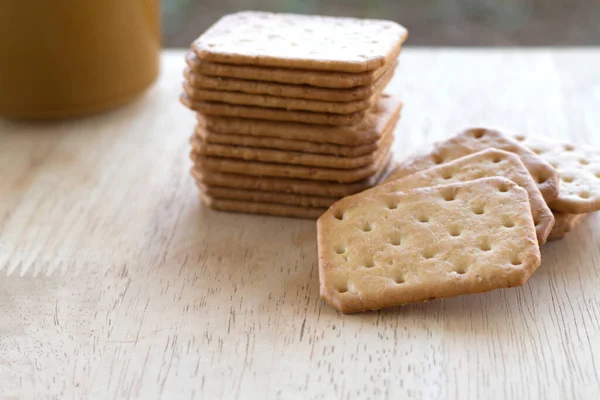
(201, 81)
(379, 120)
(483, 164)
(286, 103)
(477, 139)
(383, 248)
(289, 157)
(579, 169)
(290, 185)
(289, 76)
(301, 41)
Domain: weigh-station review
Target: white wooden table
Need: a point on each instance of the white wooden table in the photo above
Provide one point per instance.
(115, 282)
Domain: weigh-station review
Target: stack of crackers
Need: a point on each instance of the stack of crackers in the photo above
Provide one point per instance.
(467, 217)
(291, 110)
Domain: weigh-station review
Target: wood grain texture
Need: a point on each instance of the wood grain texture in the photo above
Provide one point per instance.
(116, 283)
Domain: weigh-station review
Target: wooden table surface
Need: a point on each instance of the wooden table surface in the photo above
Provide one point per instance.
(115, 282)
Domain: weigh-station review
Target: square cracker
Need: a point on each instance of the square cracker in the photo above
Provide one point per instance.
(201, 81)
(260, 196)
(301, 41)
(249, 207)
(286, 103)
(259, 169)
(313, 79)
(378, 120)
(476, 139)
(289, 157)
(212, 137)
(271, 114)
(290, 185)
(578, 167)
(484, 164)
(564, 224)
(383, 248)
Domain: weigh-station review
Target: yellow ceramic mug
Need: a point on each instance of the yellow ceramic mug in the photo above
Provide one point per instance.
(64, 58)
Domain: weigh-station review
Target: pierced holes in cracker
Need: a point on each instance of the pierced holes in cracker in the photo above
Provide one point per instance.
(369, 263)
(478, 209)
(367, 227)
(392, 204)
(437, 159)
(396, 240)
(340, 250)
(446, 175)
(341, 287)
(449, 195)
(478, 134)
(423, 218)
(537, 151)
(484, 245)
(496, 159)
(568, 147)
(508, 223)
(460, 268)
(583, 161)
(520, 138)
(454, 231)
(515, 259)
(541, 179)
(428, 254)
(584, 194)
(567, 179)
(503, 188)
(399, 279)
(338, 214)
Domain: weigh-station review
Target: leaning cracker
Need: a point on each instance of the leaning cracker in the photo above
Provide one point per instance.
(197, 80)
(287, 157)
(323, 79)
(578, 167)
(484, 164)
(288, 185)
(212, 137)
(281, 210)
(377, 121)
(477, 139)
(272, 114)
(286, 103)
(383, 248)
(301, 41)
(564, 224)
(260, 196)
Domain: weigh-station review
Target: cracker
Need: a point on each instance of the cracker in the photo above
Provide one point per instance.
(249, 207)
(383, 248)
(286, 185)
(209, 136)
(476, 139)
(272, 114)
(260, 196)
(286, 103)
(564, 224)
(288, 76)
(578, 167)
(200, 81)
(258, 168)
(288, 157)
(301, 41)
(484, 164)
(383, 116)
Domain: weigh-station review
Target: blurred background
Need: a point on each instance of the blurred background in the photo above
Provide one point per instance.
(430, 22)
